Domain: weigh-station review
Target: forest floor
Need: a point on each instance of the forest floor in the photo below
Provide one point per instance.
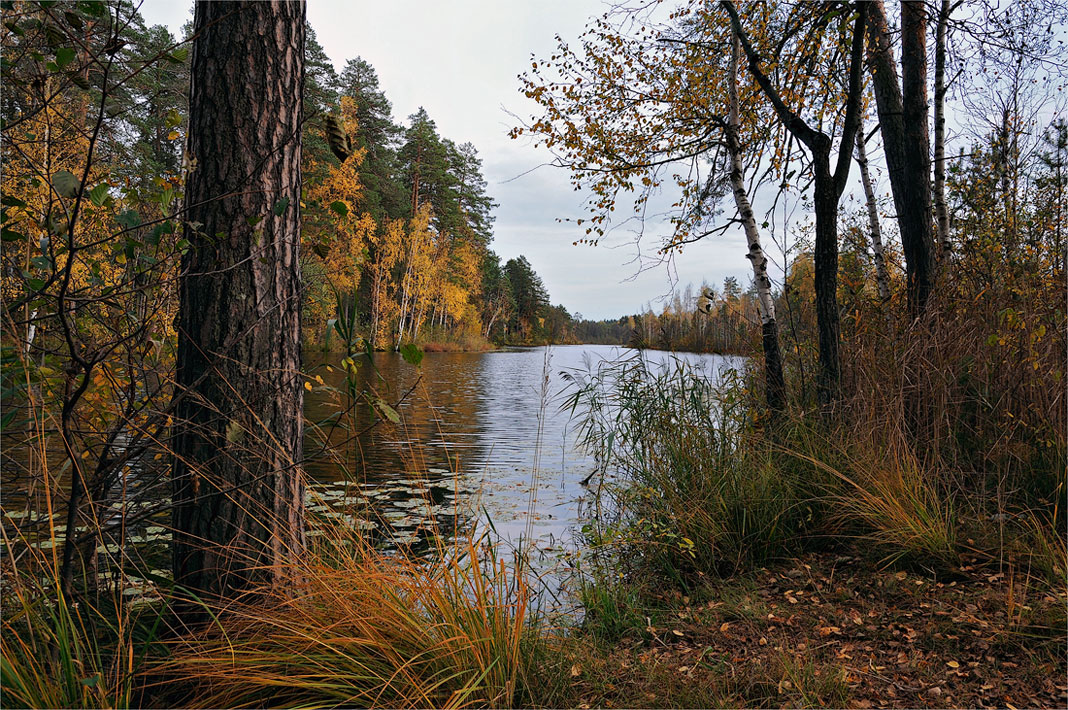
(831, 630)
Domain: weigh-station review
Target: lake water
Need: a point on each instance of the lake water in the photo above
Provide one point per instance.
(481, 443)
(482, 436)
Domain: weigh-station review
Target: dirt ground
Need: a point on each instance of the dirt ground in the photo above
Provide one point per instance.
(830, 630)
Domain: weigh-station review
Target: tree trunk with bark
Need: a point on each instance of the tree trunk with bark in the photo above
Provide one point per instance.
(238, 485)
(903, 123)
(775, 383)
(825, 262)
(828, 186)
(917, 142)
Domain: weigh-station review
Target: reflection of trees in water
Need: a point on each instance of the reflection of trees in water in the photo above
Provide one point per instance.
(438, 406)
(407, 466)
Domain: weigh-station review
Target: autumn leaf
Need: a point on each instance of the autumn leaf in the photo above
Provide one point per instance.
(411, 354)
(234, 432)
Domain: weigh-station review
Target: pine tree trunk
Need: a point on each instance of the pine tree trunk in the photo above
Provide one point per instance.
(905, 140)
(775, 384)
(238, 485)
(881, 277)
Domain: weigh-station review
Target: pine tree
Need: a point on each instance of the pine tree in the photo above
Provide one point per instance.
(238, 490)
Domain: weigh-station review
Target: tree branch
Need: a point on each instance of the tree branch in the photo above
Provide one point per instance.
(794, 123)
(852, 117)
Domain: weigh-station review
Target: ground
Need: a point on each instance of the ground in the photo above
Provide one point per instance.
(832, 630)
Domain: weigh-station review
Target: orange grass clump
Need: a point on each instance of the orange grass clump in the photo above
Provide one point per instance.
(364, 628)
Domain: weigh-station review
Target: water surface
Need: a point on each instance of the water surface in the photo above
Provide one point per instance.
(481, 435)
(480, 442)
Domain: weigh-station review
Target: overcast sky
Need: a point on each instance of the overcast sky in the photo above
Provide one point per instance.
(459, 60)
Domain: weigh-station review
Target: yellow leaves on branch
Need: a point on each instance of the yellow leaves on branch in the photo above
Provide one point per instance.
(636, 103)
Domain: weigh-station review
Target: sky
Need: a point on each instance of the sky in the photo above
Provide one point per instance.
(460, 60)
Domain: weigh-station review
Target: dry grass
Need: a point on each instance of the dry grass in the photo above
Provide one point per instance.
(889, 499)
(461, 344)
(366, 629)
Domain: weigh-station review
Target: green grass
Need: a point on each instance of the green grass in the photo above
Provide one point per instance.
(55, 653)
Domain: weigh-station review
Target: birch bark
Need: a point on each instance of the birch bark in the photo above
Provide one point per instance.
(881, 277)
(774, 382)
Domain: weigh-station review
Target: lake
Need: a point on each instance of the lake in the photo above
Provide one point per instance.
(482, 436)
(480, 443)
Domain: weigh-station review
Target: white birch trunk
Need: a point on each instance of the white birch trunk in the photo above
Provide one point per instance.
(775, 383)
(941, 211)
(741, 200)
(875, 231)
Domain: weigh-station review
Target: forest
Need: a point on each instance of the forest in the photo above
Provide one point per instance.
(280, 428)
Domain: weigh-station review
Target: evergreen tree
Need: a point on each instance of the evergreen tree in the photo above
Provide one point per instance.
(531, 298)
(383, 193)
(239, 430)
(476, 207)
(424, 161)
(320, 97)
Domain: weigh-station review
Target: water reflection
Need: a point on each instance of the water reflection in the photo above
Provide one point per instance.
(481, 436)
(481, 442)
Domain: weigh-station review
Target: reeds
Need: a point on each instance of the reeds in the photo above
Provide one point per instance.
(694, 494)
(707, 486)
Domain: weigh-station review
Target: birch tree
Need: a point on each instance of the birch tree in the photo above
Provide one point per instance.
(775, 384)
(641, 109)
(828, 186)
(945, 10)
(875, 231)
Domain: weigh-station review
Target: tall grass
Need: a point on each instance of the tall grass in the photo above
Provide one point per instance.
(692, 493)
(883, 497)
(696, 482)
(366, 629)
(59, 653)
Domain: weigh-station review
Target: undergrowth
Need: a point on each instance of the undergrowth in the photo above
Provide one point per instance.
(696, 482)
(367, 629)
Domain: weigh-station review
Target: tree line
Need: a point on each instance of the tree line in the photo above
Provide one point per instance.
(398, 225)
(704, 320)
